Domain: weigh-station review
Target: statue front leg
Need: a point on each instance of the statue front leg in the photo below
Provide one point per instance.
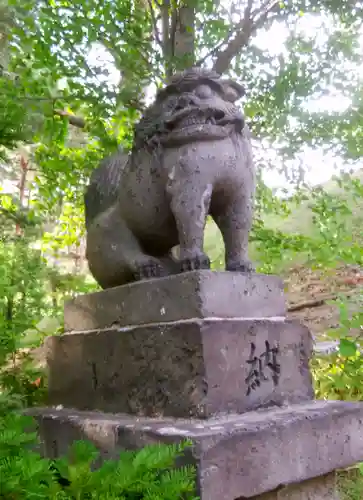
(190, 202)
(235, 224)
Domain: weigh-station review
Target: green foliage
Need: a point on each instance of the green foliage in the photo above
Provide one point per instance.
(338, 377)
(145, 474)
(22, 291)
(29, 290)
(24, 380)
(351, 483)
(12, 128)
(334, 222)
(339, 374)
(23, 473)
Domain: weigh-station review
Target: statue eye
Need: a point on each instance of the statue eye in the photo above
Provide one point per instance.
(170, 103)
(203, 91)
(231, 94)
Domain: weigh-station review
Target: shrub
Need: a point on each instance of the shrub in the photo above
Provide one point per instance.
(147, 474)
(338, 375)
(137, 475)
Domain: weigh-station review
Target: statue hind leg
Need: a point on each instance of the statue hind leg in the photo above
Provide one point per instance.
(115, 256)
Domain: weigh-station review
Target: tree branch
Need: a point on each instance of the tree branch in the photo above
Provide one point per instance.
(172, 31)
(248, 9)
(165, 32)
(265, 8)
(18, 217)
(263, 12)
(243, 31)
(214, 51)
(76, 121)
(155, 24)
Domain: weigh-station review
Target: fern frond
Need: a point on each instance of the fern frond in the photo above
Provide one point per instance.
(159, 456)
(145, 474)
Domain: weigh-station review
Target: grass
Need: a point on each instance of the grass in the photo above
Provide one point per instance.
(350, 483)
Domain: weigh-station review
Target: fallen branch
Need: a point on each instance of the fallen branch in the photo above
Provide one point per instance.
(317, 302)
(310, 303)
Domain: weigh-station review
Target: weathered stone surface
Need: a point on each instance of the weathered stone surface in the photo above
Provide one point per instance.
(197, 294)
(191, 156)
(238, 456)
(182, 369)
(320, 488)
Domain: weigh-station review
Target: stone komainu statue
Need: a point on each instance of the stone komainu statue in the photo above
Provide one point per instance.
(191, 157)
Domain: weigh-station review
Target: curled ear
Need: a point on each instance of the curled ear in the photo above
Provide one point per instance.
(233, 90)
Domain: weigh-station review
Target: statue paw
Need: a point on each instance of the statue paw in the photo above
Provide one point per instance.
(195, 263)
(244, 266)
(150, 269)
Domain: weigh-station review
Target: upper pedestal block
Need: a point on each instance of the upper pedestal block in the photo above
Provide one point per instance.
(192, 295)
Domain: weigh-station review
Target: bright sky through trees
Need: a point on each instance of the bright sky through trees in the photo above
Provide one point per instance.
(319, 165)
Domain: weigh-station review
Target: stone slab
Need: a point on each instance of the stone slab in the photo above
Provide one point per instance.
(320, 488)
(238, 456)
(192, 368)
(196, 294)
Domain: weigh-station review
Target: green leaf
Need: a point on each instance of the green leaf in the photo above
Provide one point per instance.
(347, 348)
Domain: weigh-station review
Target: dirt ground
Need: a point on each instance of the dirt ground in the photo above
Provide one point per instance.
(308, 293)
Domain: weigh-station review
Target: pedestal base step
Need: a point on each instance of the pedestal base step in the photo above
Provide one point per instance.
(319, 488)
(237, 456)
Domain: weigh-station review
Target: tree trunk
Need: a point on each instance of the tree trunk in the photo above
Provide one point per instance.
(178, 35)
(184, 39)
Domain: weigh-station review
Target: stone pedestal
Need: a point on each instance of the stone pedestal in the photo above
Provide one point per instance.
(198, 294)
(237, 384)
(196, 368)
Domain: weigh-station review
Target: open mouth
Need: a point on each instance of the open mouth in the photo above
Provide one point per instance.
(194, 124)
(190, 118)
